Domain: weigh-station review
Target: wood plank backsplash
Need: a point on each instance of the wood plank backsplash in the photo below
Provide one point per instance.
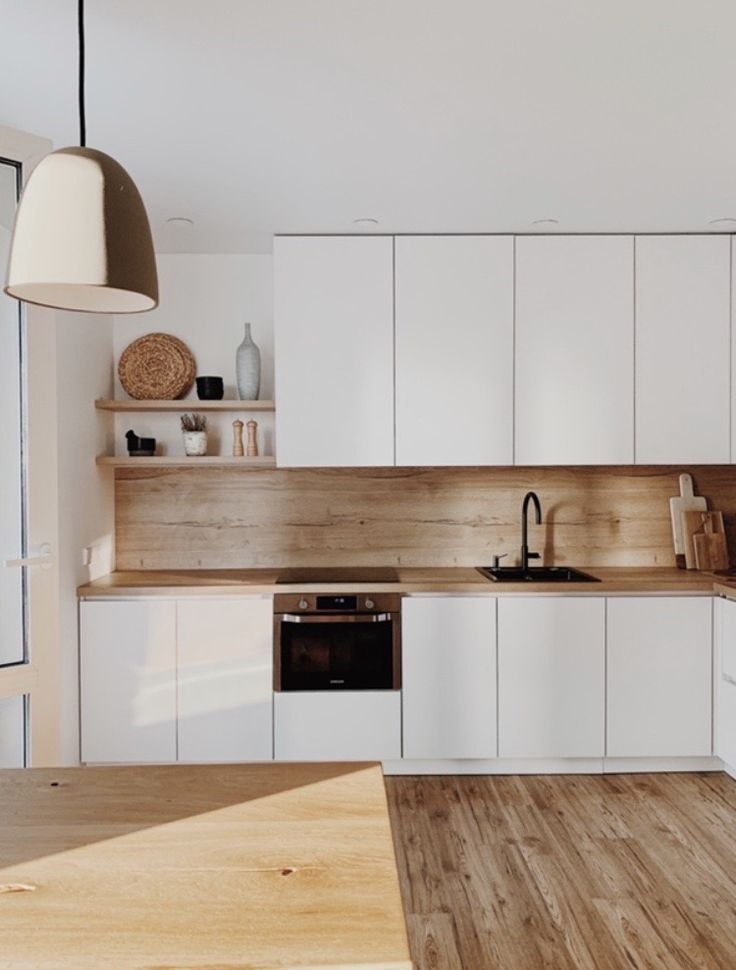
(232, 518)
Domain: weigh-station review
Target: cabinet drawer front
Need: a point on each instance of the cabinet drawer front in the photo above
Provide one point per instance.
(337, 726)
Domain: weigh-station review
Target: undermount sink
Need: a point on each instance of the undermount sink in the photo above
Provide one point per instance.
(536, 574)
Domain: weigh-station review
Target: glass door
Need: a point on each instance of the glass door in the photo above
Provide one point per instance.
(13, 644)
(29, 671)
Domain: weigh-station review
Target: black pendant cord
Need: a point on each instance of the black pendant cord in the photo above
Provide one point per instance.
(82, 111)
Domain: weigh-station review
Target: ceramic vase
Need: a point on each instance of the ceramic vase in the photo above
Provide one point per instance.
(195, 442)
(248, 368)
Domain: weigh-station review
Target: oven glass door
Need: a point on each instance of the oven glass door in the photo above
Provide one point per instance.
(337, 652)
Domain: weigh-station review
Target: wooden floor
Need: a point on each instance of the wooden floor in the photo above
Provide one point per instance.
(623, 871)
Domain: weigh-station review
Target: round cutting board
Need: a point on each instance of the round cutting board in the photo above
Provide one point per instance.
(157, 367)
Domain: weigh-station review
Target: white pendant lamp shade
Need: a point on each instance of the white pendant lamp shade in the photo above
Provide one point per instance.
(82, 240)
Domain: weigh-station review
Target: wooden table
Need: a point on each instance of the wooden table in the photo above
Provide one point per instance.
(216, 866)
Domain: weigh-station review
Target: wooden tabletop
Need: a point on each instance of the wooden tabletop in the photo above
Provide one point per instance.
(247, 866)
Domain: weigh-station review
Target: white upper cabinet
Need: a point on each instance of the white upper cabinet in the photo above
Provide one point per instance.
(574, 350)
(659, 676)
(334, 350)
(682, 349)
(454, 350)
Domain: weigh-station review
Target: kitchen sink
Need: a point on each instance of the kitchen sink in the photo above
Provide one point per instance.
(536, 574)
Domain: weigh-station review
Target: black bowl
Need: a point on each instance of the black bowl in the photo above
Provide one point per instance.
(210, 388)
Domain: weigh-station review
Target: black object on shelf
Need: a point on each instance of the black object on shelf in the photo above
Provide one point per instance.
(140, 447)
(210, 388)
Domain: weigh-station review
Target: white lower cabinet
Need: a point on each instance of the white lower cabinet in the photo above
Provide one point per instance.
(225, 680)
(337, 725)
(725, 682)
(449, 677)
(659, 677)
(162, 679)
(522, 677)
(551, 677)
(128, 680)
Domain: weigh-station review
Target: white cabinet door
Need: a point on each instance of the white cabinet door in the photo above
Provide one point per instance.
(337, 726)
(660, 663)
(225, 679)
(551, 677)
(449, 677)
(725, 682)
(574, 350)
(334, 350)
(682, 349)
(128, 680)
(733, 350)
(454, 350)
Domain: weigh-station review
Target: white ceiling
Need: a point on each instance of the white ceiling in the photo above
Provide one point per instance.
(260, 116)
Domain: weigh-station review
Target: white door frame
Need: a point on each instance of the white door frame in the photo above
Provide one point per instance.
(40, 677)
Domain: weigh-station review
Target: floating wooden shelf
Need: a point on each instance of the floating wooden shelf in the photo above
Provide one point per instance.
(184, 461)
(191, 404)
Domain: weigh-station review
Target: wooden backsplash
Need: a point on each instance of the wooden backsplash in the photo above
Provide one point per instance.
(232, 518)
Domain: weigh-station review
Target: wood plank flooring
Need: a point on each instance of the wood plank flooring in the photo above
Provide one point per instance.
(619, 871)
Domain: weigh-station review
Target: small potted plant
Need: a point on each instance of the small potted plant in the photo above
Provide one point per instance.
(194, 430)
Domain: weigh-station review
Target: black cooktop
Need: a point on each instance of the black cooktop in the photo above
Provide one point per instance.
(339, 574)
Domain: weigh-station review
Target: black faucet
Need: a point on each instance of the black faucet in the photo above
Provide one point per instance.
(525, 554)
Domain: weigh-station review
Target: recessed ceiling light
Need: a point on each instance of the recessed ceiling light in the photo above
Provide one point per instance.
(180, 222)
(365, 222)
(723, 221)
(546, 222)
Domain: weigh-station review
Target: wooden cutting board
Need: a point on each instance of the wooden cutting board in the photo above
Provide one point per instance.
(686, 501)
(704, 540)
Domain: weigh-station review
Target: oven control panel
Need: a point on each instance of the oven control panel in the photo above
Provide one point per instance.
(337, 603)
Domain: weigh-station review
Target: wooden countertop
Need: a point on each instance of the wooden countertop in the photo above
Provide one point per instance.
(219, 582)
(199, 866)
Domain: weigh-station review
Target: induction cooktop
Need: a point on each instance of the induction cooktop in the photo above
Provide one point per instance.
(340, 574)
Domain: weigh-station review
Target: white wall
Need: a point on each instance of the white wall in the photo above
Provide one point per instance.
(205, 301)
(84, 352)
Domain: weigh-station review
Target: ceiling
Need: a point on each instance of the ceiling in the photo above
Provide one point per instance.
(253, 117)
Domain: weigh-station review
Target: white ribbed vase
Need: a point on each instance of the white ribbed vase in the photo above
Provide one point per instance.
(248, 368)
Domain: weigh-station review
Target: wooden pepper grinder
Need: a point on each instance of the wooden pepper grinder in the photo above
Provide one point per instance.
(238, 438)
(252, 440)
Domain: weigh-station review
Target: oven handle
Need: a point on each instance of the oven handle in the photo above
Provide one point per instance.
(338, 618)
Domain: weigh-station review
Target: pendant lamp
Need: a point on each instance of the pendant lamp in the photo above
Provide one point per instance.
(82, 240)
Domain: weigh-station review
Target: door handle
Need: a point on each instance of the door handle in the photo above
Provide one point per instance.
(336, 618)
(44, 559)
(728, 678)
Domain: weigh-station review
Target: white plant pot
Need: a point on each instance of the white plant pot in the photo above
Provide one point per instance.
(195, 442)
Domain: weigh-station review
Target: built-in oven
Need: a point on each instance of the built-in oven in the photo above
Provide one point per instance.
(337, 642)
